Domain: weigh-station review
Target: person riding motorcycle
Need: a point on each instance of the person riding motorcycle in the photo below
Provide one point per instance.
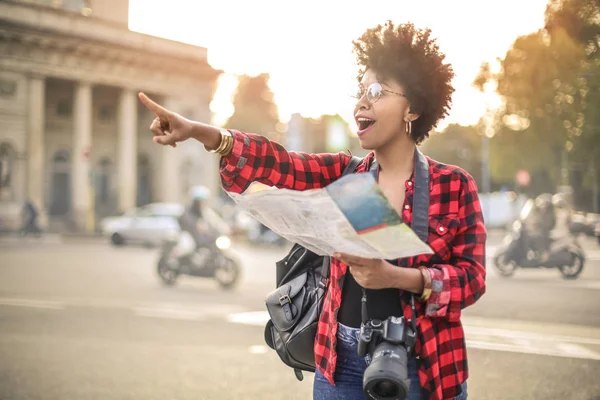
(542, 222)
(563, 212)
(193, 219)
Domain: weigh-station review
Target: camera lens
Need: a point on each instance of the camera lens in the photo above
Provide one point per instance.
(387, 375)
(386, 389)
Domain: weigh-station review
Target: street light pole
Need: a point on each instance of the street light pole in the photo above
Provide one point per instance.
(485, 164)
(594, 174)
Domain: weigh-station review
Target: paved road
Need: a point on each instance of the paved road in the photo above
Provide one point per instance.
(82, 320)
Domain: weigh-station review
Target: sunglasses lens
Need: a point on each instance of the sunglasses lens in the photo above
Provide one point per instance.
(374, 92)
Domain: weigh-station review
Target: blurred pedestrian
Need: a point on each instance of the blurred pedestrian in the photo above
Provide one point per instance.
(30, 215)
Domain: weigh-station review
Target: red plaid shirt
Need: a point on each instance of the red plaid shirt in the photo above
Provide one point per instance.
(456, 234)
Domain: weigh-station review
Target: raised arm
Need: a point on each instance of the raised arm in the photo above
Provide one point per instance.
(256, 158)
(252, 157)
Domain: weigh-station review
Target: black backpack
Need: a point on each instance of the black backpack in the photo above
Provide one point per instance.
(295, 306)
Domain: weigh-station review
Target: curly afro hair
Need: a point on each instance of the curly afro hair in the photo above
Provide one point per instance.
(412, 58)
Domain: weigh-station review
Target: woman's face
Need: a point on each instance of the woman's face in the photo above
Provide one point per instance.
(381, 112)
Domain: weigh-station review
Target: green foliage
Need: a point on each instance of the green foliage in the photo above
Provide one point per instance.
(457, 145)
(255, 108)
(550, 81)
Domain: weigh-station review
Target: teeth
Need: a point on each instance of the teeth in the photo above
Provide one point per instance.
(364, 119)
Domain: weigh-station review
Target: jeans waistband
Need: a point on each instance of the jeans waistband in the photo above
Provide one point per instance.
(347, 334)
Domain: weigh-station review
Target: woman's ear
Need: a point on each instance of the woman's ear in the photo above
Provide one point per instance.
(410, 116)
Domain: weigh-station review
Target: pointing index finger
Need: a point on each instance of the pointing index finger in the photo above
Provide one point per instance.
(157, 109)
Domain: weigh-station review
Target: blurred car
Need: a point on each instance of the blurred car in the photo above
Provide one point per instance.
(148, 225)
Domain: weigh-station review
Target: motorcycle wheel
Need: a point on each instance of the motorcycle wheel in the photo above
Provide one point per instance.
(504, 268)
(167, 275)
(117, 240)
(228, 273)
(572, 270)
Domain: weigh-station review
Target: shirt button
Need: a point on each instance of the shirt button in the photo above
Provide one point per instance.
(409, 183)
(407, 207)
(441, 229)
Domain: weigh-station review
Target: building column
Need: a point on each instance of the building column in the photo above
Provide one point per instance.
(169, 172)
(82, 192)
(127, 150)
(35, 141)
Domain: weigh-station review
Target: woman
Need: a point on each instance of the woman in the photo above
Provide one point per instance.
(404, 90)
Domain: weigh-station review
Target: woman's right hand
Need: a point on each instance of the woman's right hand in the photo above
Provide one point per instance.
(169, 128)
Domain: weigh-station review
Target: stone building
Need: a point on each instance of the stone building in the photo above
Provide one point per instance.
(73, 136)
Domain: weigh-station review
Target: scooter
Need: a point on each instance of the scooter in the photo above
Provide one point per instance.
(179, 256)
(565, 254)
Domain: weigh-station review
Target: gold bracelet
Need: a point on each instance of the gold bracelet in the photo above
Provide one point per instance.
(225, 145)
(427, 284)
(228, 146)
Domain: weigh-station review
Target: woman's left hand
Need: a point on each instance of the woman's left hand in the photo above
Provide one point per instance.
(369, 273)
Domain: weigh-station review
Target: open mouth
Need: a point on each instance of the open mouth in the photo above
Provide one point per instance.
(364, 123)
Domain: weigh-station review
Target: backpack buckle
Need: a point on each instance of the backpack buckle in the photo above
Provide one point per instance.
(285, 299)
(323, 283)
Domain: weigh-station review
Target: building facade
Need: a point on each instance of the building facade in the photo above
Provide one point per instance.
(74, 137)
(326, 134)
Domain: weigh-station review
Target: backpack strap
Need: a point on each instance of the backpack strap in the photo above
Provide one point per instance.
(420, 222)
(352, 165)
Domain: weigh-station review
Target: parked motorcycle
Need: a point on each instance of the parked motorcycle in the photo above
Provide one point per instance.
(565, 254)
(179, 256)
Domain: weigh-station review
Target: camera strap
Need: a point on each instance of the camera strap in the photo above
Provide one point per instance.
(420, 220)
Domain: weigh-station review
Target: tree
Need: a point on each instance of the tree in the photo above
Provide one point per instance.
(457, 145)
(544, 100)
(544, 96)
(581, 20)
(550, 83)
(254, 106)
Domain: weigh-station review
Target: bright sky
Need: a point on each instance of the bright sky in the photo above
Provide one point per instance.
(306, 45)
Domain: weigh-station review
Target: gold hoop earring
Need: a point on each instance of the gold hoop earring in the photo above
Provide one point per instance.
(408, 127)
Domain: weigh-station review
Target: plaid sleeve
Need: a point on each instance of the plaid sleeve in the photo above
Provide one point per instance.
(461, 282)
(256, 158)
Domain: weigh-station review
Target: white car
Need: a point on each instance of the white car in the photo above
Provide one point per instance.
(148, 225)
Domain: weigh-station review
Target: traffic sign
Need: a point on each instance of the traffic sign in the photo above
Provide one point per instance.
(523, 178)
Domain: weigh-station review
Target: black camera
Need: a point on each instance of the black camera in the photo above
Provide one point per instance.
(388, 343)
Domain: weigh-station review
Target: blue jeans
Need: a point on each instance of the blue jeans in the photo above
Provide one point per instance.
(350, 369)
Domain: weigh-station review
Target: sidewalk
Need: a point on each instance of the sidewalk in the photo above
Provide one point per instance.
(494, 235)
(12, 238)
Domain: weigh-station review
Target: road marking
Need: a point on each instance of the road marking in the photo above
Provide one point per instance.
(257, 318)
(592, 255)
(485, 338)
(526, 336)
(175, 311)
(258, 349)
(583, 284)
(169, 313)
(566, 350)
(45, 239)
(48, 304)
